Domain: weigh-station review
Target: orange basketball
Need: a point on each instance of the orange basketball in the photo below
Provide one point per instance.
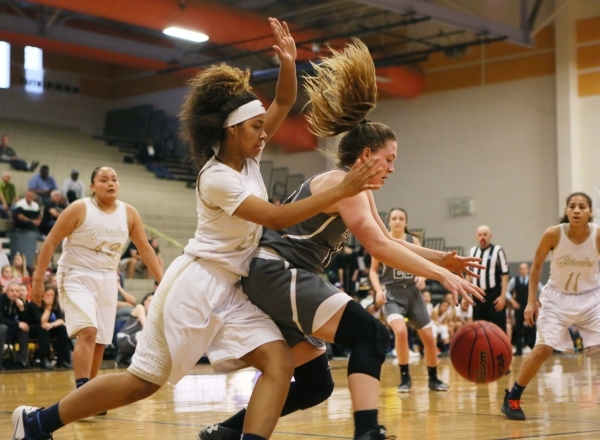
(481, 352)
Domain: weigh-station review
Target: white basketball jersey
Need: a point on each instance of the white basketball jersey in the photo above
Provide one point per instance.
(221, 236)
(98, 242)
(574, 267)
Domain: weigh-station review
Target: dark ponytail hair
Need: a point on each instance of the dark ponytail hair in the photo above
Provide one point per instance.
(215, 93)
(341, 94)
(588, 199)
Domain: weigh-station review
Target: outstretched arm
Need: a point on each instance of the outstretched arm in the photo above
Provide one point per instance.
(286, 89)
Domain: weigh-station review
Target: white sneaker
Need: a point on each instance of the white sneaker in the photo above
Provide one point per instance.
(526, 350)
(18, 423)
(413, 354)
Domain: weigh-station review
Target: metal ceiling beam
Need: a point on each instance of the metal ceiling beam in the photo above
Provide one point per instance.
(89, 39)
(477, 25)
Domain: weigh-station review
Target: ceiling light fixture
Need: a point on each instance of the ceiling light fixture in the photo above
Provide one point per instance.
(184, 34)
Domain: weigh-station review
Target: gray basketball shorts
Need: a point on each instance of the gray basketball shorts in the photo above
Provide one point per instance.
(299, 301)
(409, 303)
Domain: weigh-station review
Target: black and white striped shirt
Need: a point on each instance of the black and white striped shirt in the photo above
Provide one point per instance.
(494, 260)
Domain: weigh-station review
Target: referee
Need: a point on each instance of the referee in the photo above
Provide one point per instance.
(493, 279)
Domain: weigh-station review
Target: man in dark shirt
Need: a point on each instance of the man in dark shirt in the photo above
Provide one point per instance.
(13, 324)
(7, 154)
(52, 210)
(27, 212)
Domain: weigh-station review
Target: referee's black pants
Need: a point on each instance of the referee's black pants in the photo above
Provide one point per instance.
(485, 311)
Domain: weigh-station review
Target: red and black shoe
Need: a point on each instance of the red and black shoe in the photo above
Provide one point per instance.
(512, 408)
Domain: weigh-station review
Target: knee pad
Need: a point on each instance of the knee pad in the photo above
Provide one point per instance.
(366, 336)
(312, 385)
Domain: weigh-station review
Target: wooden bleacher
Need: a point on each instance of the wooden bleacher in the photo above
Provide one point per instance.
(164, 205)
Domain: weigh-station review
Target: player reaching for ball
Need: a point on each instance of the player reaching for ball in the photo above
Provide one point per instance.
(571, 296)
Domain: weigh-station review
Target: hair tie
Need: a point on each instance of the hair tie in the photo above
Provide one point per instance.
(364, 121)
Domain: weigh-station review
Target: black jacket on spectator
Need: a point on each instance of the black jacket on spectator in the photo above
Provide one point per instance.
(56, 336)
(9, 329)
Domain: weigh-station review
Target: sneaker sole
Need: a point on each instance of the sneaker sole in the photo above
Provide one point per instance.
(403, 391)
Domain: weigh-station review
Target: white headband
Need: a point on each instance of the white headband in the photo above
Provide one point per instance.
(245, 112)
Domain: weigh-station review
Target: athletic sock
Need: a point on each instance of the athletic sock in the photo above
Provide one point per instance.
(364, 421)
(81, 382)
(432, 371)
(252, 437)
(404, 372)
(49, 419)
(516, 391)
(236, 421)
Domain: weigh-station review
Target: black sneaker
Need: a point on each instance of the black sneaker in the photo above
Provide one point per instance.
(512, 408)
(405, 385)
(437, 385)
(26, 425)
(218, 432)
(376, 434)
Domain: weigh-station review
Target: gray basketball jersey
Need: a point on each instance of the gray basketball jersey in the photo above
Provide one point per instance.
(312, 243)
(393, 278)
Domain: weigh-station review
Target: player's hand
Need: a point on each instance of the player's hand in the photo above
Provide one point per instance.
(531, 313)
(284, 46)
(379, 298)
(457, 285)
(420, 282)
(457, 264)
(500, 303)
(355, 181)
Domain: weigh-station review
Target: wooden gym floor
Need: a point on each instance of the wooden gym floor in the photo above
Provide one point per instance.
(562, 402)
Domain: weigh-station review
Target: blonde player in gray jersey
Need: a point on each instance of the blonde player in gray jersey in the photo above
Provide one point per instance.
(94, 232)
(199, 307)
(571, 296)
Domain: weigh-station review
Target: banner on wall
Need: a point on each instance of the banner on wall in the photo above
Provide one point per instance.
(596, 203)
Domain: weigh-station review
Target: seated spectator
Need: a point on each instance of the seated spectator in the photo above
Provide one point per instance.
(47, 325)
(42, 184)
(24, 292)
(3, 257)
(152, 157)
(7, 154)
(131, 261)
(73, 188)
(27, 213)
(13, 325)
(6, 276)
(129, 334)
(52, 209)
(8, 195)
(441, 317)
(19, 269)
(463, 313)
(427, 298)
(125, 304)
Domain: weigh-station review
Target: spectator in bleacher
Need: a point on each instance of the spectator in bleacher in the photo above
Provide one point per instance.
(52, 209)
(27, 212)
(3, 257)
(464, 313)
(13, 325)
(129, 260)
(8, 195)
(47, 324)
(19, 269)
(152, 157)
(73, 188)
(6, 276)
(8, 154)
(129, 334)
(42, 184)
(346, 263)
(24, 292)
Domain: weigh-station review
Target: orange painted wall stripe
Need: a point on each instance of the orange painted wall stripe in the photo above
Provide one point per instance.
(520, 68)
(589, 84)
(588, 56)
(588, 30)
(458, 78)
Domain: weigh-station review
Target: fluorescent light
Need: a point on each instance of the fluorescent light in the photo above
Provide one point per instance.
(34, 58)
(184, 34)
(4, 65)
